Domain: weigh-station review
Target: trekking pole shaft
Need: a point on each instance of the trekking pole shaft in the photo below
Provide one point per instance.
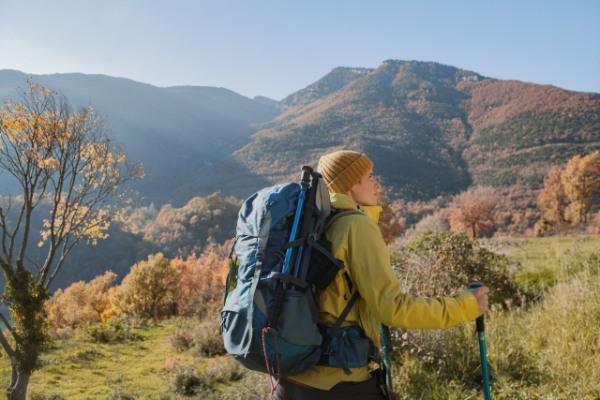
(304, 182)
(484, 364)
(288, 252)
(480, 326)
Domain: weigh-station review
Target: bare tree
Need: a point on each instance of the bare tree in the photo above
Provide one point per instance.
(67, 166)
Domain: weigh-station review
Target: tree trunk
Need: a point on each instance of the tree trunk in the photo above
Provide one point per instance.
(18, 387)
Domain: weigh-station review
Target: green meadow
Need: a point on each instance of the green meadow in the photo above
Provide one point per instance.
(547, 348)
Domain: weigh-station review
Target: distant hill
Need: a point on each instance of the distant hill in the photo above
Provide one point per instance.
(431, 129)
(184, 136)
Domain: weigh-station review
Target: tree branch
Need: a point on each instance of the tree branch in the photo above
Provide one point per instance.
(7, 324)
(6, 346)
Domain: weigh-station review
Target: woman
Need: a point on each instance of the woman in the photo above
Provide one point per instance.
(356, 240)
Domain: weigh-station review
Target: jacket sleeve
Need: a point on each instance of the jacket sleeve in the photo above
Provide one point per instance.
(370, 269)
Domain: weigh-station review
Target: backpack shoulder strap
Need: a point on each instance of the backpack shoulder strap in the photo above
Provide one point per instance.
(337, 214)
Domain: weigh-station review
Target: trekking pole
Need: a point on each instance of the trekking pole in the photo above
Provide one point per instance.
(482, 351)
(304, 182)
(386, 339)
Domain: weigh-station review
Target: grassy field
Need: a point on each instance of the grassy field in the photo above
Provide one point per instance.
(548, 349)
(78, 369)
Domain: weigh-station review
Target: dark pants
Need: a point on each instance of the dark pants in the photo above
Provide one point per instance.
(368, 390)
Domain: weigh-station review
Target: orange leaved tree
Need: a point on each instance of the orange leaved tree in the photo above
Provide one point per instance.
(581, 182)
(552, 199)
(66, 167)
(473, 211)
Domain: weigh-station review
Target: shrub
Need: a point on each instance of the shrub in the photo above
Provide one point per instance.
(110, 332)
(204, 339)
(37, 396)
(185, 381)
(119, 394)
(201, 282)
(183, 339)
(80, 303)
(208, 341)
(442, 263)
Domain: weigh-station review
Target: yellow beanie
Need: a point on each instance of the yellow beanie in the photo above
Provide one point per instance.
(343, 169)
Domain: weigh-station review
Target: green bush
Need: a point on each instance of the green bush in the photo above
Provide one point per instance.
(442, 263)
(37, 396)
(536, 350)
(208, 341)
(121, 395)
(185, 381)
(183, 339)
(110, 332)
(210, 382)
(442, 364)
(204, 339)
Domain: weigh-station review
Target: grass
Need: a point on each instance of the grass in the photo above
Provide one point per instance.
(545, 261)
(77, 369)
(150, 368)
(549, 349)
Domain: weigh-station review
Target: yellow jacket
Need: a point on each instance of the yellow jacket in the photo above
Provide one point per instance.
(356, 240)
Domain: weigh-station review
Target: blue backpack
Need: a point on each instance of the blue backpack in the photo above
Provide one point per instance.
(278, 262)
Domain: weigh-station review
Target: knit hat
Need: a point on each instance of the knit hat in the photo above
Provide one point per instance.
(343, 169)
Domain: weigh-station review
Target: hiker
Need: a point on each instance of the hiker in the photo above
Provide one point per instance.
(357, 241)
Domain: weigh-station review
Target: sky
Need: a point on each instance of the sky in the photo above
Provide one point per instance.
(274, 48)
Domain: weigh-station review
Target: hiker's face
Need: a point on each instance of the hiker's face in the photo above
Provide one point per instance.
(366, 191)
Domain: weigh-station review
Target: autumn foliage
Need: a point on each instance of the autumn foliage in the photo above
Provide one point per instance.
(570, 193)
(155, 288)
(202, 279)
(473, 211)
(81, 303)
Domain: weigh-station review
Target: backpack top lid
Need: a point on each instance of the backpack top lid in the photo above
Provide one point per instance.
(267, 210)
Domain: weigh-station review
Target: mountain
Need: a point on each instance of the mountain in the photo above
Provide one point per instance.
(184, 136)
(431, 129)
(330, 83)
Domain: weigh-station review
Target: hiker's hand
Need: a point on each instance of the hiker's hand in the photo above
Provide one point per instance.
(481, 294)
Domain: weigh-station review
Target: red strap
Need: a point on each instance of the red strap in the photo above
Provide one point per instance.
(270, 371)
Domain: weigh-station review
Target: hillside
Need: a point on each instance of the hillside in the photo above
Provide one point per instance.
(431, 129)
(182, 135)
(520, 129)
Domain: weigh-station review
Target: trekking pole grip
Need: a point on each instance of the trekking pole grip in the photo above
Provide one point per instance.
(306, 174)
(479, 324)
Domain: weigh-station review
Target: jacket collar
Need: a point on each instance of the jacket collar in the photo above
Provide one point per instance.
(342, 202)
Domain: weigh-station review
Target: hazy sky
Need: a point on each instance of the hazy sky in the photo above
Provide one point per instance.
(276, 47)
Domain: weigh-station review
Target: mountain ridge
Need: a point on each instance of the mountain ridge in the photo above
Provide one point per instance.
(425, 116)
